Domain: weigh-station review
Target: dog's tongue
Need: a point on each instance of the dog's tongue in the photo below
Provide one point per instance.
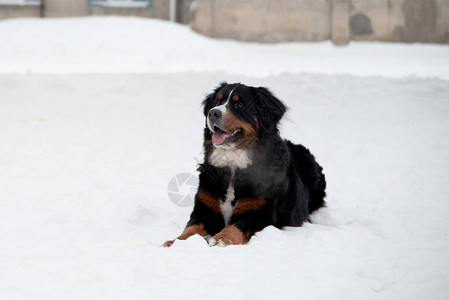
(219, 137)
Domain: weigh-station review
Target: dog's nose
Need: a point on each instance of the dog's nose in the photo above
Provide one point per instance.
(214, 115)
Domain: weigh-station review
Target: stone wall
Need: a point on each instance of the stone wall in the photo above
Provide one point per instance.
(280, 20)
(183, 11)
(400, 20)
(12, 11)
(260, 20)
(317, 20)
(159, 10)
(77, 8)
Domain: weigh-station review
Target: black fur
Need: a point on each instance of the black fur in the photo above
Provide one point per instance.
(282, 173)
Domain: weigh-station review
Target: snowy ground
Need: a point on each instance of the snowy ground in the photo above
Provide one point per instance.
(85, 160)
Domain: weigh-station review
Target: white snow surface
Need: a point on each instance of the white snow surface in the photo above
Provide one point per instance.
(130, 45)
(85, 160)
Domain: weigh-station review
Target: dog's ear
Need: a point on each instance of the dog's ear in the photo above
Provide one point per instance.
(270, 109)
(208, 101)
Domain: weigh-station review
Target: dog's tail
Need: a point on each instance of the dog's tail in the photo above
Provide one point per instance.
(311, 174)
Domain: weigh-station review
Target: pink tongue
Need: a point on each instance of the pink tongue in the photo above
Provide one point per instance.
(219, 137)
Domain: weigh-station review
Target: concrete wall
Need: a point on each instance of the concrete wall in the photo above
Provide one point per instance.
(71, 8)
(77, 8)
(339, 15)
(183, 11)
(266, 21)
(400, 20)
(317, 20)
(160, 10)
(280, 20)
(11, 11)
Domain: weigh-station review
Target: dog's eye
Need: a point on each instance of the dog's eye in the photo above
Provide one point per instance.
(238, 105)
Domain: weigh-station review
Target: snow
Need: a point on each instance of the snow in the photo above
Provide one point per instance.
(97, 115)
(61, 46)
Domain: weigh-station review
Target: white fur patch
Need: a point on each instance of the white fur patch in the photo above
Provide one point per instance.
(226, 205)
(233, 158)
(221, 108)
(221, 243)
(212, 242)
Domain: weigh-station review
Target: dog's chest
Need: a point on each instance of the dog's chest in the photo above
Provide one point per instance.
(233, 159)
(228, 202)
(240, 184)
(226, 205)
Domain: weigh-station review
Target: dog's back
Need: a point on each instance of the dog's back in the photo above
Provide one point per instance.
(310, 173)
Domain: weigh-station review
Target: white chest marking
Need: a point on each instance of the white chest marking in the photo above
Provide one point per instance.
(238, 158)
(226, 204)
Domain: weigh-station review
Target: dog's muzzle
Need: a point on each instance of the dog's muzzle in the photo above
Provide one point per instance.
(215, 119)
(215, 116)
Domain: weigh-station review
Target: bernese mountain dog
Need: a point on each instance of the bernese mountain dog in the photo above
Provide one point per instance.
(251, 177)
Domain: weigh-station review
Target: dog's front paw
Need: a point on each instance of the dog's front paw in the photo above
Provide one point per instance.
(168, 243)
(218, 241)
(230, 235)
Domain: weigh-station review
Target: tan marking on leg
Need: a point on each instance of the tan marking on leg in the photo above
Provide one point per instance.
(230, 235)
(188, 232)
(192, 230)
(246, 204)
(209, 200)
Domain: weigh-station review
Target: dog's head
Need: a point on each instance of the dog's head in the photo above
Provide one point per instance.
(237, 115)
